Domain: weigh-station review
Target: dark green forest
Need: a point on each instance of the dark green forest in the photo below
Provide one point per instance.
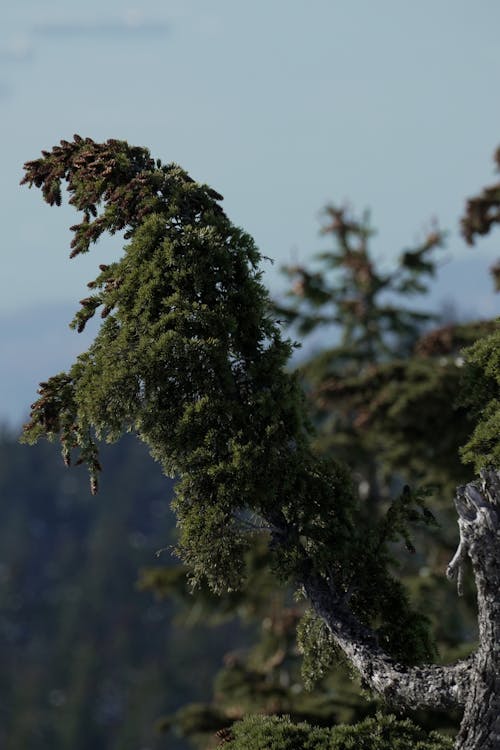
(88, 660)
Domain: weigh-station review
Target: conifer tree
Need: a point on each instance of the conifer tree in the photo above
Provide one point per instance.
(376, 395)
(346, 294)
(369, 387)
(190, 359)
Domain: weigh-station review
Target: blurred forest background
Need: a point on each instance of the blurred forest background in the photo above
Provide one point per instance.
(101, 645)
(88, 661)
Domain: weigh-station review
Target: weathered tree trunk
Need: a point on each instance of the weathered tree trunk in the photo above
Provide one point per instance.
(478, 507)
(480, 728)
(473, 684)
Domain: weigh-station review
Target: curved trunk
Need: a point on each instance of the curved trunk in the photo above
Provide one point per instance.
(480, 727)
(473, 684)
(478, 506)
(429, 686)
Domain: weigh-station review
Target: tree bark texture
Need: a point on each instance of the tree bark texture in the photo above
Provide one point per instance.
(472, 684)
(478, 507)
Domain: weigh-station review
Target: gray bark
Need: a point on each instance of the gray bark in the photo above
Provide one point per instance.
(472, 684)
(478, 507)
(414, 687)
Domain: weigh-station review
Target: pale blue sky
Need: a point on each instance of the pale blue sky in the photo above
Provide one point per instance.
(281, 105)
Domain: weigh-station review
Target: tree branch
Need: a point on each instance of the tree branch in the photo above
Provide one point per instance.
(428, 686)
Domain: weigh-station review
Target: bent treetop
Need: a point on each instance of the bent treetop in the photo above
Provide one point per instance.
(190, 358)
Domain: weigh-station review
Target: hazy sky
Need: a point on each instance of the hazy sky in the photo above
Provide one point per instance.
(281, 105)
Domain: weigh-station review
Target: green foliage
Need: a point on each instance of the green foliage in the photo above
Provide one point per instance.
(189, 358)
(378, 392)
(317, 646)
(482, 386)
(390, 410)
(380, 733)
(249, 601)
(482, 213)
(351, 292)
(404, 632)
(482, 395)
